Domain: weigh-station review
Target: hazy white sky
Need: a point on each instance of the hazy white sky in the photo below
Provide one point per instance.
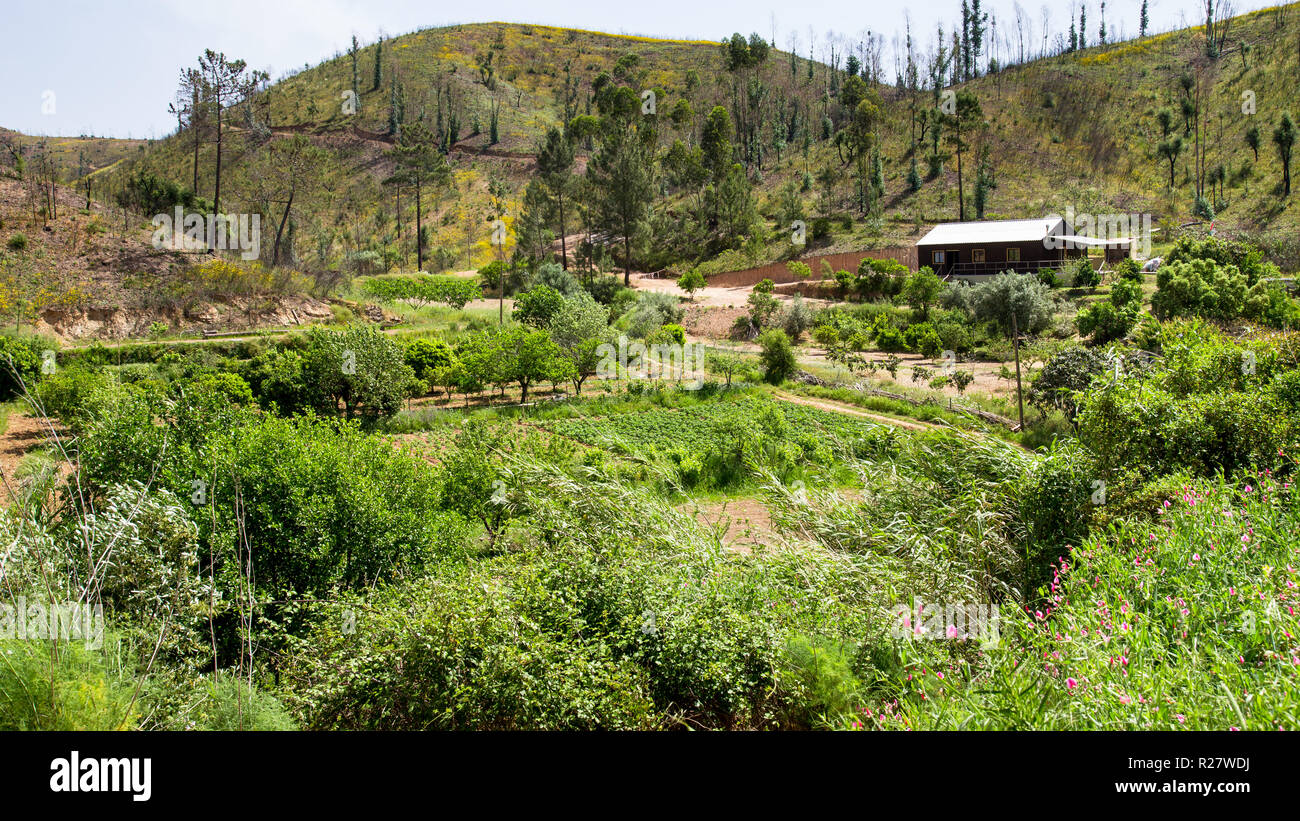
(110, 68)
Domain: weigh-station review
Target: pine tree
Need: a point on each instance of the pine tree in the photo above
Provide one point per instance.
(394, 122)
(1284, 137)
(1101, 34)
(1083, 26)
(352, 52)
(964, 44)
(379, 70)
(1143, 19)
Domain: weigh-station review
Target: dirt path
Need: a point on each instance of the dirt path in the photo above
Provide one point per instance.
(849, 410)
(23, 434)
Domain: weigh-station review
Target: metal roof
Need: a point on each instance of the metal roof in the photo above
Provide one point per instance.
(966, 233)
(1094, 242)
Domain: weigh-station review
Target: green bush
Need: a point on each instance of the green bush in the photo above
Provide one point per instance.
(890, 339)
(923, 339)
(73, 394)
(21, 359)
(778, 357)
(1103, 322)
(65, 686)
(1011, 294)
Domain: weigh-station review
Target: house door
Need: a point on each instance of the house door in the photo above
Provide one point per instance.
(941, 262)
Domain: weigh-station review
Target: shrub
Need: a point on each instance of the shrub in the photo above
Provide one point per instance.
(954, 336)
(1199, 287)
(890, 339)
(64, 686)
(653, 310)
(1084, 275)
(796, 318)
(777, 357)
(17, 242)
(1018, 295)
(71, 393)
(921, 338)
(667, 334)
(826, 335)
(1103, 322)
(537, 305)
(1128, 269)
(21, 359)
(1065, 374)
(691, 281)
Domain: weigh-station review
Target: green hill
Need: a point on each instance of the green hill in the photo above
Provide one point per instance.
(1073, 131)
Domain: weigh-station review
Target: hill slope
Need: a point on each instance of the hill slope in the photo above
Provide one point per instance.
(1074, 131)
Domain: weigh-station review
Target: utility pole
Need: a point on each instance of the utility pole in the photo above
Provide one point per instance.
(1015, 345)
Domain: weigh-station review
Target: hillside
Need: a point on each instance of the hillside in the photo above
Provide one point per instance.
(1076, 130)
(89, 274)
(73, 157)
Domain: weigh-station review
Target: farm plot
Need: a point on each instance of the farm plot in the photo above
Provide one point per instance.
(735, 428)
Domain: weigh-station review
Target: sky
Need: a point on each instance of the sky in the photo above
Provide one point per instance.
(109, 68)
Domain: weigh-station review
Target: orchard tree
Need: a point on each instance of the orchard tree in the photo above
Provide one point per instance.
(579, 327)
(922, 289)
(527, 357)
(359, 368)
(537, 306)
(724, 364)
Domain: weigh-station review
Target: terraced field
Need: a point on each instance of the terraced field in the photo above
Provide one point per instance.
(729, 426)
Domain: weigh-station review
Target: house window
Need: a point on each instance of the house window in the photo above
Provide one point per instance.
(938, 258)
(977, 255)
(1013, 255)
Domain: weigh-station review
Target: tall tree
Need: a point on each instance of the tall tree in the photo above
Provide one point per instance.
(225, 81)
(290, 168)
(1169, 149)
(1252, 140)
(966, 118)
(1284, 138)
(1143, 20)
(555, 167)
(621, 169)
(419, 166)
(190, 109)
(353, 50)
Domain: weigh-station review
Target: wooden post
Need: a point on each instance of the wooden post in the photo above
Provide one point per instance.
(1015, 345)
